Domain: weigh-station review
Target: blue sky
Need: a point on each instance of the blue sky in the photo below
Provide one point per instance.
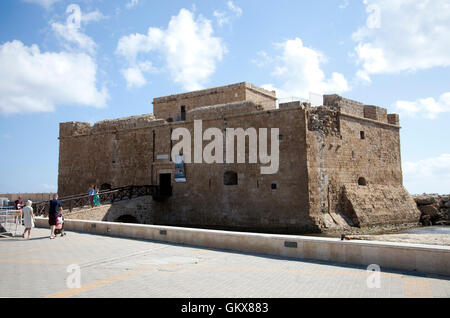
(90, 60)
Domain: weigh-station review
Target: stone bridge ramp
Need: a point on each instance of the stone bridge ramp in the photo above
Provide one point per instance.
(135, 210)
(130, 204)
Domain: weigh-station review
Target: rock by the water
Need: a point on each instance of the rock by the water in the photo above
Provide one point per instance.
(430, 210)
(426, 199)
(435, 208)
(426, 220)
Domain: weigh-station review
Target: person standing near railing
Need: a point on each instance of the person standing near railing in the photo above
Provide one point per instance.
(53, 213)
(96, 197)
(18, 204)
(91, 193)
(28, 219)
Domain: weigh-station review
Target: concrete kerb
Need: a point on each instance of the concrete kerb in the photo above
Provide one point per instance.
(422, 258)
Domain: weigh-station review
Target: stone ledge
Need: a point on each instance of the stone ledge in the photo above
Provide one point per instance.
(370, 120)
(398, 256)
(214, 90)
(161, 122)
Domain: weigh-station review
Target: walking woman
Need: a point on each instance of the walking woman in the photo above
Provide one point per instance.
(28, 218)
(91, 193)
(96, 197)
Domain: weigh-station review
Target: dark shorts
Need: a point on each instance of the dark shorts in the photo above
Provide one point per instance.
(52, 220)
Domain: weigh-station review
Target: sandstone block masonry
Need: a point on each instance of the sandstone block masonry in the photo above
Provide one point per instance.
(175, 107)
(340, 163)
(136, 210)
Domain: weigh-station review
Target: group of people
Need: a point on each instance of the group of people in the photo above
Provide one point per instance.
(94, 198)
(24, 214)
(55, 216)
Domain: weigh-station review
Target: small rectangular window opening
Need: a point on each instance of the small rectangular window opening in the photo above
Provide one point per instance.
(183, 113)
(362, 135)
(230, 178)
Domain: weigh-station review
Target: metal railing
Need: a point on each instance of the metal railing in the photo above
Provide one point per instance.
(10, 222)
(108, 196)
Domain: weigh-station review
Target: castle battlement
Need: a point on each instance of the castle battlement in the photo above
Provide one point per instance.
(333, 106)
(174, 108)
(73, 129)
(213, 91)
(358, 109)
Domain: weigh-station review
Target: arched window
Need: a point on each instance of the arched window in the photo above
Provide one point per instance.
(362, 181)
(230, 178)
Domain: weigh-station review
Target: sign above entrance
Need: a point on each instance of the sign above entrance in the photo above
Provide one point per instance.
(162, 157)
(180, 176)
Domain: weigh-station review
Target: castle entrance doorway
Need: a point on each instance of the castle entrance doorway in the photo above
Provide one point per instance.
(165, 184)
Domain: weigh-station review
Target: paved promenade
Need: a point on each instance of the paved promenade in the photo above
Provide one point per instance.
(117, 267)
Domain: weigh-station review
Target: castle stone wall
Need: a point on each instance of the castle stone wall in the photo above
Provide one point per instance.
(170, 106)
(219, 111)
(128, 157)
(330, 156)
(364, 151)
(252, 204)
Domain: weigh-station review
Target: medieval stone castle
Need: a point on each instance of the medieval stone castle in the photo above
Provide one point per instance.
(339, 164)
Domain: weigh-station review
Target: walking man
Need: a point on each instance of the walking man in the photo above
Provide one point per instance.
(55, 209)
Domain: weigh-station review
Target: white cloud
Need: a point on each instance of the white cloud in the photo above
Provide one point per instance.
(93, 16)
(298, 69)
(134, 44)
(237, 11)
(70, 31)
(223, 17)
(32, 81)
(189, 49)
(438, 167)
(134, 74)
(403, 35)
(263, 59)
(134, 77)
(344, 4)
(430, 175)
(44, 3)
(132, 4)
(425, 107)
